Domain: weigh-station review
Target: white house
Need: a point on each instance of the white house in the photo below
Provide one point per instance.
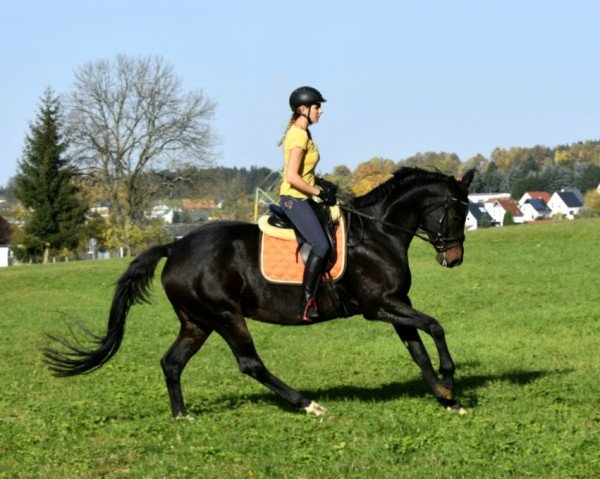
(530, 195)
(498, 207)
(474, 216)
(535, 209)
(3, 256)
(162, 212)
(565, 203)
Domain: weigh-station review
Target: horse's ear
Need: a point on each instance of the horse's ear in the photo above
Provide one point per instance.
(468, 178)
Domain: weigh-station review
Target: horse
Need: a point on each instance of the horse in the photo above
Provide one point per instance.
(212, 279)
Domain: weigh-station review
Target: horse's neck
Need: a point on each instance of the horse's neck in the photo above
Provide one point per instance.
(401, 210)
(401, 213)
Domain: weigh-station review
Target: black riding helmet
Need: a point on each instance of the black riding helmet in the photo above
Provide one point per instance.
(305, 95)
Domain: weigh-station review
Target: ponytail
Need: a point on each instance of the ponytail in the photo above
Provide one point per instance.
(294, 117)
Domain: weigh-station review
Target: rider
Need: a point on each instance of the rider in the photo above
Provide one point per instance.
(301, 157)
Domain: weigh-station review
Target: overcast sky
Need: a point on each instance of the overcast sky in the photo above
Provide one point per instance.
(401, 77)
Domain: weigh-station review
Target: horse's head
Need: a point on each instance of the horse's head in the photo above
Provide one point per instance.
(443, 219)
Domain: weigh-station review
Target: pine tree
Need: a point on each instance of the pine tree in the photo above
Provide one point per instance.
(45, 186)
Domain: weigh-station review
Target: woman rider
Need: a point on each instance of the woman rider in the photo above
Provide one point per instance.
(301, 157)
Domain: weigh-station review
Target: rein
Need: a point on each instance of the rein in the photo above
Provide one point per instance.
(439, 243)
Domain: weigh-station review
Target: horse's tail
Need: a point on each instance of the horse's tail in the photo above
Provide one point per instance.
(132, 287)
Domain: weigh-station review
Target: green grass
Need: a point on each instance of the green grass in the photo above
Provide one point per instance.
(522, 319)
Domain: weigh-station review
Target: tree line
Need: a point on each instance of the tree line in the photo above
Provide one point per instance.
(515, 170)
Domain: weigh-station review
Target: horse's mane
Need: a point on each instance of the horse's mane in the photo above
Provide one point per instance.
(401, 179)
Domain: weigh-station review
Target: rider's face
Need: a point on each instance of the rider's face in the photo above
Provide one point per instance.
(314, 112)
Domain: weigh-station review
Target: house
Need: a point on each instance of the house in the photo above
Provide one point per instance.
(199, 210)
(483, 197)
(102, 209)
(530, 195)
(162, 212)
(565, 202)
(577, 192)
(476, 215)
(535, 209)
(498, 207)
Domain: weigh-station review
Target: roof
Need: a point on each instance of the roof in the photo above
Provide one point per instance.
(570, 199)
(538, 204)
(508, 204)
(544, 195)
(476, 210)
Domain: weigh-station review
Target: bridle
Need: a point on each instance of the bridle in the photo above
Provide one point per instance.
(441, 242)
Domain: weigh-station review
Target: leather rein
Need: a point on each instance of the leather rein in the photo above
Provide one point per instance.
(440, 242)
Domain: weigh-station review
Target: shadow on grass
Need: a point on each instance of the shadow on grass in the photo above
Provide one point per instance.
(466, 385)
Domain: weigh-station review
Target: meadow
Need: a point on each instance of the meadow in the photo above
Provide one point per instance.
(522, 318)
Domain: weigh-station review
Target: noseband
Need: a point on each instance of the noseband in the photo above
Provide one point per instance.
(440, 242)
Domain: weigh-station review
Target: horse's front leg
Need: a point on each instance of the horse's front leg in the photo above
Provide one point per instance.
(406, 321)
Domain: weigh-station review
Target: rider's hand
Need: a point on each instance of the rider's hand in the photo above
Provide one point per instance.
(327, 194)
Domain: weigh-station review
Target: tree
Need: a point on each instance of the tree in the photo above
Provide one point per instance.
(45, 185)
(525, 184)
(592, 203)
(508, 219)
(448, 163)
(236, 204)
(493, 179)
(6, 230)
(590, 179)
(342, 177)
(129, 116)
(369, 174)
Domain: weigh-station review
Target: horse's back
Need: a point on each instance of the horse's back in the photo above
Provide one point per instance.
(218, 253)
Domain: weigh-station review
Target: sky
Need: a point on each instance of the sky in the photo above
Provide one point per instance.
(400, 77)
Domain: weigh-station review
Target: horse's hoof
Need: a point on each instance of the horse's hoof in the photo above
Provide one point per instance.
(186, 417)
(457, 408)
(316, 409)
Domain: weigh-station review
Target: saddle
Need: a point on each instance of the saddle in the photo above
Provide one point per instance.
(284, 250)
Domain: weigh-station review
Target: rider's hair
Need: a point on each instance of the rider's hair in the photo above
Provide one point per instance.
(293, 118)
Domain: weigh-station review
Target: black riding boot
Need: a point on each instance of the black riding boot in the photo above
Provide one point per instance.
(310, 282)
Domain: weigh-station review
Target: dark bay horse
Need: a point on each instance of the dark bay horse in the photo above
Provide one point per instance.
(213, 281)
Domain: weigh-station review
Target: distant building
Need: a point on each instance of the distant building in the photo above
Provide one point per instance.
(476, 215)
(566, 202)
(102, 209)
(535, 209)
(163, 212)
(576, 191)
(498, 207)
(483, 197)
(530, 195)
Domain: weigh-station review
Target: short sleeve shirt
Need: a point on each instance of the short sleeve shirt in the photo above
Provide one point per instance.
(298, 138)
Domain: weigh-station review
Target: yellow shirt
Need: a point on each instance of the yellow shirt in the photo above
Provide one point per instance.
(298, 138)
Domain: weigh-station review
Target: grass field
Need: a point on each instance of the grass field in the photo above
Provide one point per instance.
(522, 318)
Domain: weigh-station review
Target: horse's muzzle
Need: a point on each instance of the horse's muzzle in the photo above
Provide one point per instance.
(451, 257)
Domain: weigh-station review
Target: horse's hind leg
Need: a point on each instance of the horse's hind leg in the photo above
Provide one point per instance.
(190, 339)
(237, 336)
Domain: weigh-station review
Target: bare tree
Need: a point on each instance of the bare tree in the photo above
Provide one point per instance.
(129, 116)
